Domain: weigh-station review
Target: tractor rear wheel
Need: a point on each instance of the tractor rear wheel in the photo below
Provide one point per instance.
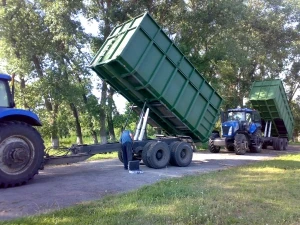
(21, 153)
(240, 144)
(212, 148)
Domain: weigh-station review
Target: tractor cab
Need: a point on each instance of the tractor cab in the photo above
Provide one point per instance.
(6, 98)
(242, 120)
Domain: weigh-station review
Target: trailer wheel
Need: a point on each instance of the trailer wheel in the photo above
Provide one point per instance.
(171, 146)
(158, 155)
(264, 146)
(181, 154)
(285, 143)
(280, 144)
(212, 148)
(275, 143)
(145, 152)
(240, 144)
(120, 156)
(21, 153)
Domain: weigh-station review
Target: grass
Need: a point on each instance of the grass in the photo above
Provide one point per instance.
(294, 143)
(262, 193)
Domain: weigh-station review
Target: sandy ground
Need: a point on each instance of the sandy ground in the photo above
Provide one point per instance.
(57, 187)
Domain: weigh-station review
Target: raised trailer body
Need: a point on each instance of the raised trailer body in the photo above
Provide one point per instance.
(142, 63)
(269, 98)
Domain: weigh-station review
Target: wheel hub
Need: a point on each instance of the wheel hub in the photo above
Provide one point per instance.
(159, 154)
(183, 153)
(16, 154)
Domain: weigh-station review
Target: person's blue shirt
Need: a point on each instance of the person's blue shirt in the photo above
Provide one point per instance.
(125, 137)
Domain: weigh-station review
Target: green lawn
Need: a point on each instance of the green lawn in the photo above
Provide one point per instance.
(263, 193)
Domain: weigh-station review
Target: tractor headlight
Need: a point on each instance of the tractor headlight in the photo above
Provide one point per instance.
(230, 131)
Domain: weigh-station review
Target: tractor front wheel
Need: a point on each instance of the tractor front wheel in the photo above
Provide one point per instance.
(240, 144)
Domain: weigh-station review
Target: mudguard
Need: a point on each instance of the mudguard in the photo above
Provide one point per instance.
(10, 114)
(253, 127)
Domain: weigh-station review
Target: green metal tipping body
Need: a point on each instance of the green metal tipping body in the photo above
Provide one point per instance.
(269, 98)
(141, 62)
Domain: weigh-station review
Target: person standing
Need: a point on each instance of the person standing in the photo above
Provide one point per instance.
(126, 141)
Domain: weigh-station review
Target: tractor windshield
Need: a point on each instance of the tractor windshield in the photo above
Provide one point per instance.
(239, 116)
(3, 95)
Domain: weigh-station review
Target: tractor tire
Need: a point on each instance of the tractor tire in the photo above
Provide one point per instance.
(212, 148)
(158, 155)
(230, 147)
(240, 144)
(181, 154)
(145, 151)
(257, 148)
(21, 153)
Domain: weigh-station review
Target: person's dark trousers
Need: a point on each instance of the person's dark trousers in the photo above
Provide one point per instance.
(126, 153)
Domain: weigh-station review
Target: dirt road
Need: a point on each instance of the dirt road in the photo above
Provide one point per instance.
(62, 186)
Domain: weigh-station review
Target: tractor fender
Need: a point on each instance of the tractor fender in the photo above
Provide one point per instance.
(10, 114)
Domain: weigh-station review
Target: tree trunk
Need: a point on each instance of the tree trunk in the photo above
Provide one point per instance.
(90, 124)
(22, 91)
(77, 123)
(110, 110)
(102, 113)
(54, 128)
(52, 108)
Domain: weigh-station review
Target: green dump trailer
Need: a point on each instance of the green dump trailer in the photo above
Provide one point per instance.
(269, 98)
(142, 63)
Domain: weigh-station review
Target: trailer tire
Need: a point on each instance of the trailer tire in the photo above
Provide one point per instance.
(275, 143)
(240, 144)
(181, 154)
(21, 153)
(212, 148)
(120, 156)
(280, 144)
(158, 155)
(285, 143)
(145, 151)
(171, 146)
(264, 146)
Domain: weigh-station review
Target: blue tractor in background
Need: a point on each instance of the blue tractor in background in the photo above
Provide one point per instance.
(21, 145)
(241, 132)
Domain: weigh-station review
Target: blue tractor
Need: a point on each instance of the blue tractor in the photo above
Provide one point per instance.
(21, 145)
(241, 132)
